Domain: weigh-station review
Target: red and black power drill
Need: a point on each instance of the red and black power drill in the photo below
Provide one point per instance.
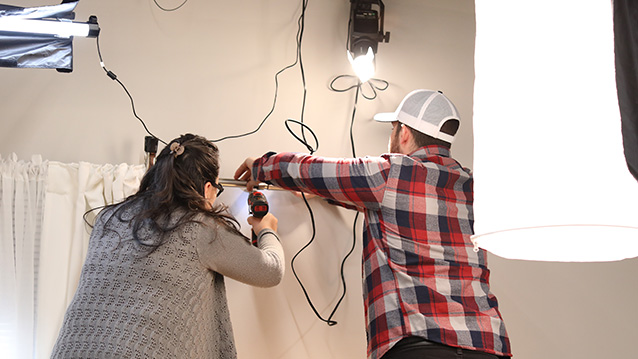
(258, 207)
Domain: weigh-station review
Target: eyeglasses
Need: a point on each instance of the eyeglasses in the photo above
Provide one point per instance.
(219, 187)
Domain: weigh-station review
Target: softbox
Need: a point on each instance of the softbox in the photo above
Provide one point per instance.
(26, 50)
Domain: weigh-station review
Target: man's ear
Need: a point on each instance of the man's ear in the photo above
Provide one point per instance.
(405, 135)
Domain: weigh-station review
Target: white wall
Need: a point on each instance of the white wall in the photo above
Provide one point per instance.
(209, 68)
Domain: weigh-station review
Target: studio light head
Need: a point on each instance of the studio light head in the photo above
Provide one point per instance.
(365, 31)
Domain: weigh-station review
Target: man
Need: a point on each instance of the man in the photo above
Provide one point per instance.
(426, 290)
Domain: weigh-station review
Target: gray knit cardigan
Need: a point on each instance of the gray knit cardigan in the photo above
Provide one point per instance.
(170, 303)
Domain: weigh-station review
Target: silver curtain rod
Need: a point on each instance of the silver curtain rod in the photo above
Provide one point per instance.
(227, 182)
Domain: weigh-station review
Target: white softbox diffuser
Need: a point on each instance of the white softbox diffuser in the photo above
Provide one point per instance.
(551, 181)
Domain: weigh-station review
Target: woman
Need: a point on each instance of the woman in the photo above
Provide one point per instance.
(152, 285)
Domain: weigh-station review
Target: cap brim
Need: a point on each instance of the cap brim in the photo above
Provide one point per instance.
(385, 117)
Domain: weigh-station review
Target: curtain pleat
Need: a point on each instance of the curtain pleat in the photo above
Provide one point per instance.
(22, 190)
(43, 242)
(73, 189)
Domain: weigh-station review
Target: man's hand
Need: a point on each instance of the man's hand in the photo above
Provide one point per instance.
(244, 173)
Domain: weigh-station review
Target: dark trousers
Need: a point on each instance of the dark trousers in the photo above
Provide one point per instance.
(419, 348)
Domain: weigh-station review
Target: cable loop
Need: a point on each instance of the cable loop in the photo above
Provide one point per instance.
(373, 84)
(303, 141)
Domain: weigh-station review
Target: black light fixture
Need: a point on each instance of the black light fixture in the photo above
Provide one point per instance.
(365, 32)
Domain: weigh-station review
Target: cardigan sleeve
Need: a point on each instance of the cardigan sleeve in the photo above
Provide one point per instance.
(232, 256)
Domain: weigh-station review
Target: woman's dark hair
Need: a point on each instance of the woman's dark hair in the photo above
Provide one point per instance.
(174, 186)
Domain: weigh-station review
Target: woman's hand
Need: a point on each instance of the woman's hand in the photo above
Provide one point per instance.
(268, 221)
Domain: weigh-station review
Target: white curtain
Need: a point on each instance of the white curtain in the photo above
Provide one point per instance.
(72, 190)
(44, 242)
(22, 191)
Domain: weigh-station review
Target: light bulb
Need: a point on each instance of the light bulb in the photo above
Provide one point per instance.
(363, 65)
(48, 27)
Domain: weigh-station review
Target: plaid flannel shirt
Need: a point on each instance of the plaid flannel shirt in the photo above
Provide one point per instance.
(421, 274)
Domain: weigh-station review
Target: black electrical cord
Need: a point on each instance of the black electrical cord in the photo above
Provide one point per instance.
(356, 217)
(113, 76)
(301, 26)
(374, 85)
(328, 321)
(354, 112)
(298, 60)
(303, 140)
(173, 9)
(311, 150)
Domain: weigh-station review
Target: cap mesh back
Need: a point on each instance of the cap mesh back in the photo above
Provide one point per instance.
(438, 110)
(413, 104)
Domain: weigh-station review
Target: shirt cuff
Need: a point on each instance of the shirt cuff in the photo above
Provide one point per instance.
(258, 163)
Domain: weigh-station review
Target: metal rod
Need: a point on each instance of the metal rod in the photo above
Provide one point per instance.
(227, 182)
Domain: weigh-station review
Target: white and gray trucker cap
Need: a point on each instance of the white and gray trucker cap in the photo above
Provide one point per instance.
(425, 111)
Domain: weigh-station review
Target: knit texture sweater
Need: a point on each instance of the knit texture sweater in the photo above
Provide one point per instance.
(170, 303)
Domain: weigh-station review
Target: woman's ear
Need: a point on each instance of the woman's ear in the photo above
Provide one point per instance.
(209, 190)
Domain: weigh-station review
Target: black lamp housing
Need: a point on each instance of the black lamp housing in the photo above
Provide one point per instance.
(365, 28)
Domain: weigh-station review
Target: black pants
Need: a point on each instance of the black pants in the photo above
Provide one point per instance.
(419, 348)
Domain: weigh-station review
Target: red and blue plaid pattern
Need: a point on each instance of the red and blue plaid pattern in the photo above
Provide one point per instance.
(421, 274)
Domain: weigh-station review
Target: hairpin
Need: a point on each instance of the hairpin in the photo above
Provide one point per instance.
(176, 149)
